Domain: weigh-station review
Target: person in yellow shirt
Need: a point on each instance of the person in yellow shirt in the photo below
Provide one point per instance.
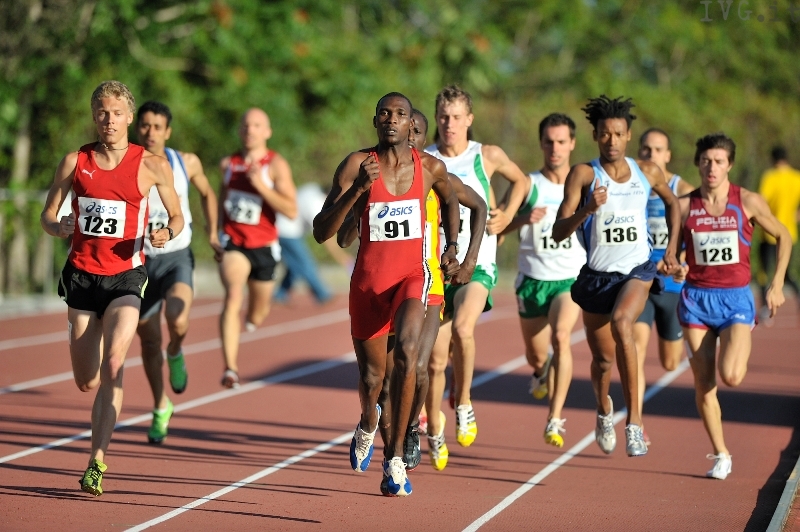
(780, 186)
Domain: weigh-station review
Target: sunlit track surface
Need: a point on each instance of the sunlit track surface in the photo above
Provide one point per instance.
(289, 441)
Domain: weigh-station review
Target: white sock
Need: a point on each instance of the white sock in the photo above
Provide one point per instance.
(250, 327)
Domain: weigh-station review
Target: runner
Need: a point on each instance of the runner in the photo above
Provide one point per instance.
(654, 146)
(169, 269)
(547, 270)
(716, 301)
(385, 188)
(474, 164)
(607, 200)
(104, 279)
(257, 184)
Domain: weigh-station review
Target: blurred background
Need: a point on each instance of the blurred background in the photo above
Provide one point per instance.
(318, 68)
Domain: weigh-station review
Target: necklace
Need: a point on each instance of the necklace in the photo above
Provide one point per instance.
(104, 145)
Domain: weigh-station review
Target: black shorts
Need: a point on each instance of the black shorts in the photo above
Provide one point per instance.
(597, 292)
(262, 261)
(93, 293)
(163, 271)
(663, 309)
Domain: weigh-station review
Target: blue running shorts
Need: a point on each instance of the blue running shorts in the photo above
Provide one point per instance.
(597, 292)
(716, 308)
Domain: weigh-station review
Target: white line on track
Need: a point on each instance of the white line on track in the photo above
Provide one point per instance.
(662, 383)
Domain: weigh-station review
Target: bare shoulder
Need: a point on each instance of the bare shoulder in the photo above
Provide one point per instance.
(432, 164)
(70, 161)
(156, 165)
(582, 172)
(753, 202)
(190, 159)
(493, 153)
(650, 169)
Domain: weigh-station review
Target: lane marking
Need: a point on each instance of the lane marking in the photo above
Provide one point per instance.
(662, 383)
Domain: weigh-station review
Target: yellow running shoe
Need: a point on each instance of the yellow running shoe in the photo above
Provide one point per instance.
(538, 387)
(552, 432)
(437, 448)
(93, 478)
(466, 427)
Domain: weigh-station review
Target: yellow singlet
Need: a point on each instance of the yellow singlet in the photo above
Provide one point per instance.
(432, 243)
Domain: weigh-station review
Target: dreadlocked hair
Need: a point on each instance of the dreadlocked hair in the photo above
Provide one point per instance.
(603, 107)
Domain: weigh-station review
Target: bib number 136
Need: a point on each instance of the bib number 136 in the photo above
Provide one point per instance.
(99, 217)
(394, 220)
(616, 228)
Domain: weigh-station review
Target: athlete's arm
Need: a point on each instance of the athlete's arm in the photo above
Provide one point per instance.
(473, 201)
(209, 200)
(757, 211)
(354, 176)
(673, 215)
(570, 217)
(498, 162)
(59, 191)
(348, 232)
(282, 197)
(448, 203)
(684, 187)
(158, 172)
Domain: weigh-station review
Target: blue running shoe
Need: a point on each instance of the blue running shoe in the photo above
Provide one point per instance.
(397, 483)
(362, 445)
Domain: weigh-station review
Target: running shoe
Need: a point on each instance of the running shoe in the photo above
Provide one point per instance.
(466, 426)
(553, 431)
(230, 379)
(604, 430)
(539, 384)
(634, 441)
(397, 483)
(437, 448)
(412, 455)
(158, 428)
(362, 445)
(177, 372)
(646, 438)
(723, 464)
(423, 424)
(92, 479)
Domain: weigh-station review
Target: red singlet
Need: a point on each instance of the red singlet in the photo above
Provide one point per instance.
(110, 214)
(391, 266)
(247, 219)
(718, 247)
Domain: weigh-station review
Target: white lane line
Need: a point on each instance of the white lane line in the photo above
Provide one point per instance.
(278, 329)
(662, 383)
(200, 401)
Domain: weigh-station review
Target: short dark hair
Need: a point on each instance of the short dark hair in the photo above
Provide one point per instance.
(603, 107)
(713, 141)
(157, 108)
(778, 154)
(417, 112)
(556, 119)
(394, 95)
(654, 130)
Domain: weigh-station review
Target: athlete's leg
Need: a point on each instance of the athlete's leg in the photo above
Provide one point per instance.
(670, 353)
(603, 348)
(436, 377)
(536, 334)
(641, 337)
(735, 343)
(85, 347)
(178, 304)
(152, 358)
(703, 345)
(563, 316)
(259, 300)
(430, 331)
(371, 358)
(233, 271)
(468, 304)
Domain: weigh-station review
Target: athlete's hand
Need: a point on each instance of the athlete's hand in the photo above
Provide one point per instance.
(671, 264)
(599, 196)
(219, 251)
(682, 272)
(464, 274)
(536, 214)
(498, 220)
(159, 238)
(254, 175)
(368, 173)
(66, 226)
(449, 262)
(774, 298)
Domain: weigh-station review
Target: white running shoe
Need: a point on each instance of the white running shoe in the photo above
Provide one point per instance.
(604, 430)
(362, 446)
(634, 441)
(723, 464)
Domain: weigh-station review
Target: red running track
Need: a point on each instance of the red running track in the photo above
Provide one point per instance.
(273, 455)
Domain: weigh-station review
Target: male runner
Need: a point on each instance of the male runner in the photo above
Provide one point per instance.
(607, 200)
(716, 301)
(257, 183)
(385, 187)
(547, 270)
(474, 164)
(104, 278)
(654, 146)
(169, 269)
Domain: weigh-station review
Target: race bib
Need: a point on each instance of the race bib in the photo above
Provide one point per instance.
(659, 234)
(158, 220)
(99, 217)
(243, 207)
(616, 228)
(394, 220)
(543, 237)
(715, 248)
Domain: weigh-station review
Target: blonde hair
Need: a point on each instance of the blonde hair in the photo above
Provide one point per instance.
(113, 89)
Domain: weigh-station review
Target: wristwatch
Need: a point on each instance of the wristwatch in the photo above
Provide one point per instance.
(171, 234)
(451, 244)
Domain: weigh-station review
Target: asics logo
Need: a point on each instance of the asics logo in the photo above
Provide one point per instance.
(715, 240)
(619, 220)
(383, 212)
(87, 172)
(546, 227)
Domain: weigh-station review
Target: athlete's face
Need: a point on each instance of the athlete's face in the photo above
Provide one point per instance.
(714, 167)
(556, 144)
(393, 120)
(254, 129)
(112, 116)
(153, 132)
(655, 148)
(612, 136)
(453, 120)
(418, 133)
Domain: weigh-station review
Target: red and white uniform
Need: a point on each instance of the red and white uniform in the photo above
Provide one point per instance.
(391, 266)
(110, 214)
(718, 247)
(247, 220)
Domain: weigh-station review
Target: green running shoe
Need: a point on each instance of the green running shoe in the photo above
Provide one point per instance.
(93, 478)
(158, 428)
(177, 373)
